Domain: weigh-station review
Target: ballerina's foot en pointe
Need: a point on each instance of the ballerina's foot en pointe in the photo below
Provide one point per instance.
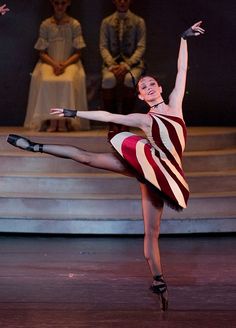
(159, 287)
(24, 143)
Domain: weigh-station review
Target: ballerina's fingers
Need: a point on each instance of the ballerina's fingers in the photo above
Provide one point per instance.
(57, 111)
(4, 9)
(197, 24)
(197, 28)
(196, 33)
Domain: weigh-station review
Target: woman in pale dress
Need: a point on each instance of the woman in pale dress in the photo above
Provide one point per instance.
(155, 159)
(58, 78)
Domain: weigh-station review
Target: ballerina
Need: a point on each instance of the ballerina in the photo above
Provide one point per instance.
(155, 160)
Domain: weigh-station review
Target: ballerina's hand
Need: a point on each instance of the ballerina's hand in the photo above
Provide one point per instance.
(57, 111)
(63, 112)
(4, 9)
(197, 29)
(194, 30)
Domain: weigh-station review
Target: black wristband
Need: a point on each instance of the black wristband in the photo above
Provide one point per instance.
(188, 33)
(69, 112)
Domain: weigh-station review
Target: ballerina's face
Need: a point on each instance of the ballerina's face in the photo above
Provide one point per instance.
(149, 89)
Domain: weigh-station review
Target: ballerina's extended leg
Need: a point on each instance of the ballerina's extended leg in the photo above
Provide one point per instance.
(106, 161)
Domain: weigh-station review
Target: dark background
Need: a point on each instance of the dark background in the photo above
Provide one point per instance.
(211, 85)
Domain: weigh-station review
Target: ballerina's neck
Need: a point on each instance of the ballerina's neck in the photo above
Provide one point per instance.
(155, 106)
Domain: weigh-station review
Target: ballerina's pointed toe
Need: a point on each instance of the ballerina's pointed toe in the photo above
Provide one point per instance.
(13, 138)
(24, 143)
(163, 298)
(161, 290)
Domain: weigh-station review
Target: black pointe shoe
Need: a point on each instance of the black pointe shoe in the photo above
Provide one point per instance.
(159, 287)
(24, 143)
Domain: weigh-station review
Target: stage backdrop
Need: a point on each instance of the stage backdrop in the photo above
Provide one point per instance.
(211, 85)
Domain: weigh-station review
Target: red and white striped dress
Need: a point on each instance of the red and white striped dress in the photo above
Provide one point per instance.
(158, 157)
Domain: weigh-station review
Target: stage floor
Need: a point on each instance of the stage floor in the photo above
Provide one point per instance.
(65, 282)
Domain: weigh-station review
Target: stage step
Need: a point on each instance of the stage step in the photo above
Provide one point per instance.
(22, 161)
(103, 183)
(88, 214)
(70, 205)
(44, 194)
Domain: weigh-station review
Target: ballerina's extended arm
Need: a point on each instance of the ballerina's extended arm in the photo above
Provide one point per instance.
(177, 95)
(133, 120)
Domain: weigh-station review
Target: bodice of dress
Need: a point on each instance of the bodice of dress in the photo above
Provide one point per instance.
(168, 137)
(60, 40)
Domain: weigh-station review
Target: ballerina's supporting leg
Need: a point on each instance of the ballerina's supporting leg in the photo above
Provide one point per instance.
(106, 161)
(152, 207)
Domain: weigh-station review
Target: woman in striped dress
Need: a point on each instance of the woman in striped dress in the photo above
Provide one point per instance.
(155, 160)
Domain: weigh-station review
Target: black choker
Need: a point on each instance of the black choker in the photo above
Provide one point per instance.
(156, 105)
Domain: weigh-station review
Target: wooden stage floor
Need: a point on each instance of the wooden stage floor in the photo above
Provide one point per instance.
(84, 281)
